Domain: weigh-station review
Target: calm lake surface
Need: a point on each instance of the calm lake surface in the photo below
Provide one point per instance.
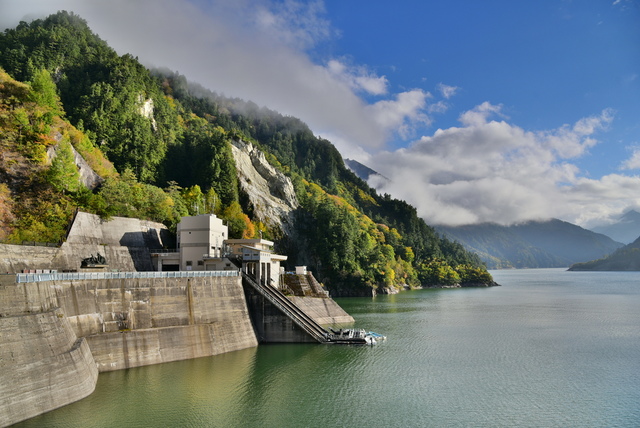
(548, 348)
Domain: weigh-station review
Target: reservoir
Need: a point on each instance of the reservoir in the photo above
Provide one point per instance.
(549, 348)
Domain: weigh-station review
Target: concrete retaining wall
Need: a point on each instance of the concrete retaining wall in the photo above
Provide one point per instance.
(271, 325)
(125, 243)
(323, 310)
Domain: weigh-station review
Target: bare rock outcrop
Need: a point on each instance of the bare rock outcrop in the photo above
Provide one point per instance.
(270, 192)
(88, 176)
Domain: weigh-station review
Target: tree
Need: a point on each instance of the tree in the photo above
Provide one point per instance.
(437, 272)
(194, 199)
(239, 224)
(63, 173)
(45, 94)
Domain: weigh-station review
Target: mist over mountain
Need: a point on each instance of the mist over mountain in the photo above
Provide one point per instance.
(626, 258)
(532, 244)
(363, 171)
(625, 230)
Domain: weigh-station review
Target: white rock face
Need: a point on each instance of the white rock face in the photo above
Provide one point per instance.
(271, 192)
(88, 176)
(146, 110)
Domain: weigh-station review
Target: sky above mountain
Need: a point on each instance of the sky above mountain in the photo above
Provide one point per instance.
(497, 110)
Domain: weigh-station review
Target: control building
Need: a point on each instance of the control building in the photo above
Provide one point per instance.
(204, 244)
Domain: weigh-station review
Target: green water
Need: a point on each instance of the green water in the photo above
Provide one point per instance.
(547, 349)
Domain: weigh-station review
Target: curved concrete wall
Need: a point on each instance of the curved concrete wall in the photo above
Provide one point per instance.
(43, 365)
(125, 243)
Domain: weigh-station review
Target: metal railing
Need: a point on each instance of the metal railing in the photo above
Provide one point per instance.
(79, 276)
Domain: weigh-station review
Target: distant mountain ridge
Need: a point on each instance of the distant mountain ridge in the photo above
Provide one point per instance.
(533, 244)
(626, 258)
(361, 170)
(625, 230)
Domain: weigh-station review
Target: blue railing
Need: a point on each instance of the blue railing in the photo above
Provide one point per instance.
(79, 276)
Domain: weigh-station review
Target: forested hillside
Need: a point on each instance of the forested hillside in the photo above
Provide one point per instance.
(626, 258)
(162, 149)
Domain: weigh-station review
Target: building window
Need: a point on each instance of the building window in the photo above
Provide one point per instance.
(189, 262)
(200, 262)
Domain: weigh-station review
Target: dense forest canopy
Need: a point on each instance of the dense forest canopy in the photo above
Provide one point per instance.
(162, 148)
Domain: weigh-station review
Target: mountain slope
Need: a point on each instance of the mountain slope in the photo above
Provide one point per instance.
(362, 171)
(625, 230)
(171, 143)
(533, 244)
(626, 258)
(499, 247)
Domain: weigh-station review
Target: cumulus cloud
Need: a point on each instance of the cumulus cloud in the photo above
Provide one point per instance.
(479, 114)
(358, 78)
(401, 113)
(633, 162)
(494, 171)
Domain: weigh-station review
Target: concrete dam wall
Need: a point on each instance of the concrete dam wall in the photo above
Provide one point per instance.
(55, 336)
(142, 321)
(43, 364)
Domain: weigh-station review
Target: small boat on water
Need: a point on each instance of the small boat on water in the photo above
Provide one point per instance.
(354, 336)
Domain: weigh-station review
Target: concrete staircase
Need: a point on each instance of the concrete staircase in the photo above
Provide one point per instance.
(289, 309)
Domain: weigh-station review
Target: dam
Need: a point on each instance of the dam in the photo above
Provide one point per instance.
(59, 330)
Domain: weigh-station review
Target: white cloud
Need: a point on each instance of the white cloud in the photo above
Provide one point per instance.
(402, 113)
(493, 171)
(633, 162)
(252, 49)
(358, 78)
(479, 114)
(447, 91)
(297, 24)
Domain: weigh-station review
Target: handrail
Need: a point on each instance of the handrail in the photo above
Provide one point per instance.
(68, 276)
(278, 299)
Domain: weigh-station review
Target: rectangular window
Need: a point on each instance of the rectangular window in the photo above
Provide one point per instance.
(200, 262)
(189, 262)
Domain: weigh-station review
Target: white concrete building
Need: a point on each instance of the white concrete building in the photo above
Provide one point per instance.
(258, 259)
(201, 242)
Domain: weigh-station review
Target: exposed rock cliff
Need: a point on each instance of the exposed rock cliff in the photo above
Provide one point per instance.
(88, 176)
(270, 192)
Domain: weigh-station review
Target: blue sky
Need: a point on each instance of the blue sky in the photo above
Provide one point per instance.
(495, 110)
